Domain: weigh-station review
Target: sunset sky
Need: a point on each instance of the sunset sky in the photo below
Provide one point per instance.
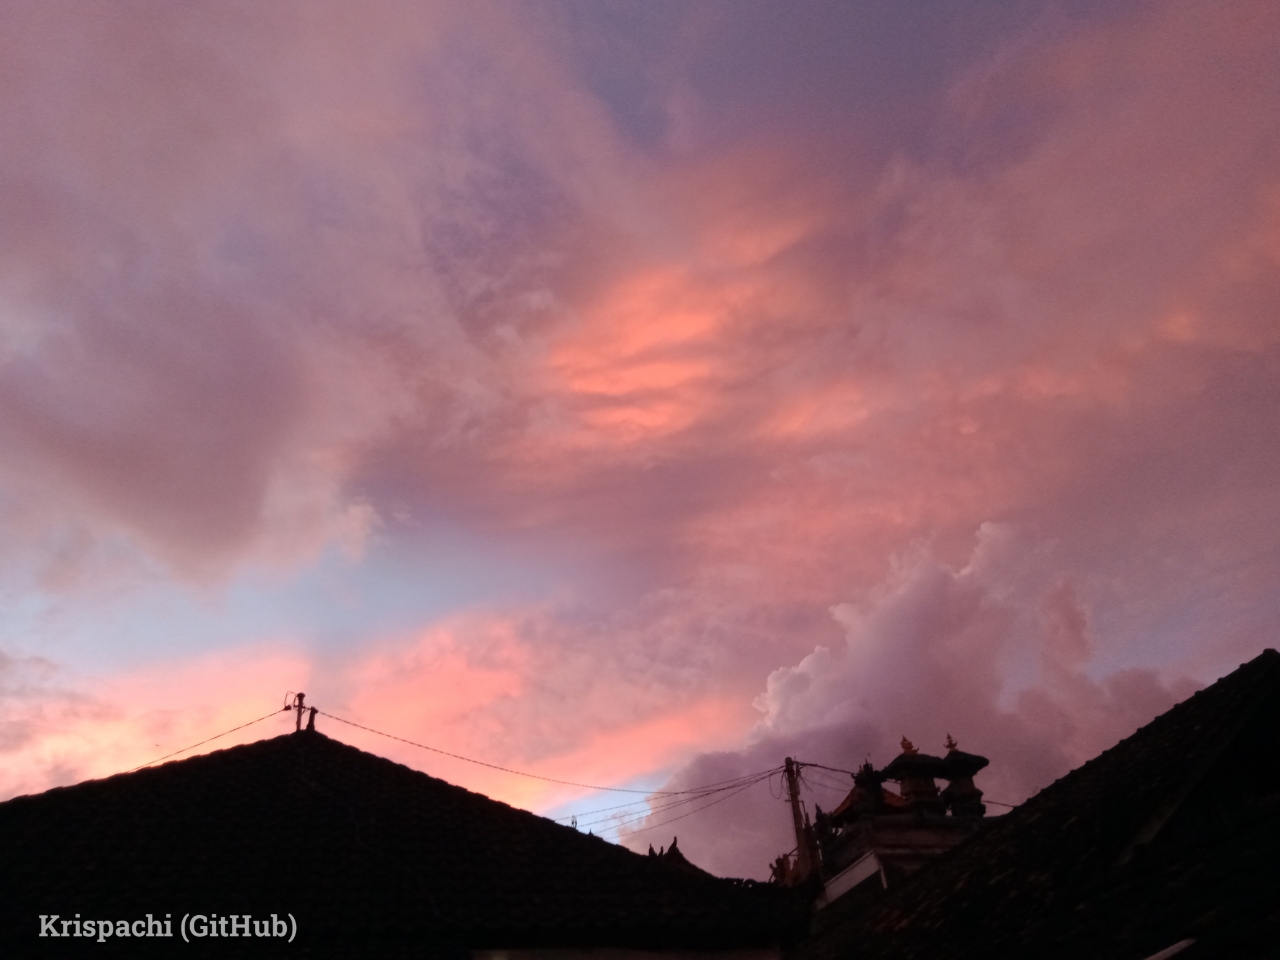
(634, 393)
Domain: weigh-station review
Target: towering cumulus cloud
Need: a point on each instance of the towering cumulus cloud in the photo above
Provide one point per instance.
(992, 653)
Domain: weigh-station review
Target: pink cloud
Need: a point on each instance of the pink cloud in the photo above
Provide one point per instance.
(465, 687)
(297, 279)
(60, 730)
(992, 653)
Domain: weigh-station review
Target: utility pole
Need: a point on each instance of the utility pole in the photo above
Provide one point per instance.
(298, 708)
(804, 858)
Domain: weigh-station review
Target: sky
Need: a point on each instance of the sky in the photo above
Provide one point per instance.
(634, 394)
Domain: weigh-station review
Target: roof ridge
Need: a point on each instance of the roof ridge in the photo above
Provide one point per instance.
(1016, 819)
(360, 847)
(992, 892)
(1268, 655)
(1207, 755)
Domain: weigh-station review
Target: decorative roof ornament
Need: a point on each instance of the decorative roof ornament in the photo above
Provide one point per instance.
(951, 743)
(908, 747)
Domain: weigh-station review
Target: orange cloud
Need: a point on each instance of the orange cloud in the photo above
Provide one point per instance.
(140, 715)
(644, 359)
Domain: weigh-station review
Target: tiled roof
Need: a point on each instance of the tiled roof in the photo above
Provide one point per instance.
(364, 852)
(1171, 835)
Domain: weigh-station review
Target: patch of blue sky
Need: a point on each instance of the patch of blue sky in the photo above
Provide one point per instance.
(330, 605)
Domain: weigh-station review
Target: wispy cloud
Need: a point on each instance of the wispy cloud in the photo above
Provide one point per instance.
(696, 319)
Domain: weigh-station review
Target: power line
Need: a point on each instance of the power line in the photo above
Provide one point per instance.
(816, 778)
(211, 739)
(630, 818)
(494, 766)
(672, 804)
(699, 810)
(587, 813)
(704, 790)
(692, 795)
(626, 820)
(820, 766)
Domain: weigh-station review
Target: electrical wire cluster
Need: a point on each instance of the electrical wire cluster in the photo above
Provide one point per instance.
(620, 815)
(814, 775)
(722, 791)
(494, 766)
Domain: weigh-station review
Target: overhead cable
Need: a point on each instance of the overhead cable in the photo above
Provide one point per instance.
(698, 810)
(668, 805)
(704, 790)
(801, 763)
(622, 820)
(494, 766)
(210, 740)
(822, 780)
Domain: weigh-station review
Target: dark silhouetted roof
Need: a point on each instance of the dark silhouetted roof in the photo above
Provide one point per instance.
(371, 857)
(1171, 835)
